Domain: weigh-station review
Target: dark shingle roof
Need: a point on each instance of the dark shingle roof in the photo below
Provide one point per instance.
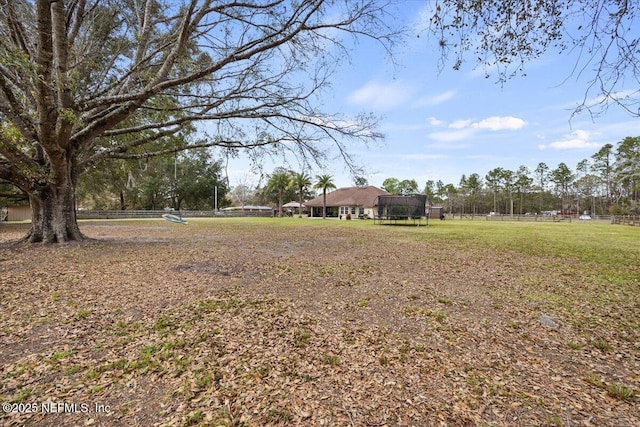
(350, 196)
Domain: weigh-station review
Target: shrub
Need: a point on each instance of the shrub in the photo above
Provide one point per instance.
(617, 210)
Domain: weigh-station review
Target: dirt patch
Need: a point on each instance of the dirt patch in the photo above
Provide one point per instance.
(252, 325)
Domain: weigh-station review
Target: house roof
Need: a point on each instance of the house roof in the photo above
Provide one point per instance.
(248, 208)
(350, 196)
(293, 205)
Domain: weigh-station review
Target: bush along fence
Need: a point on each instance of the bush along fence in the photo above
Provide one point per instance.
(626, 219)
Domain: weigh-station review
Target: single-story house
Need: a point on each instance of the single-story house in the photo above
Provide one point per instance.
(355, 201)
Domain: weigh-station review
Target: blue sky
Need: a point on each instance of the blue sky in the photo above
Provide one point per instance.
(439, 125)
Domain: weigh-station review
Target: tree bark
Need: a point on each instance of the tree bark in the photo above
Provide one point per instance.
(324, 203)
(300, 203)
(53, 215)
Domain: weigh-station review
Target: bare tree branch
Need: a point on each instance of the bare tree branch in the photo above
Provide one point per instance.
(504, 35)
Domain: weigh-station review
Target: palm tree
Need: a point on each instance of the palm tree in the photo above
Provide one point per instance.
(279, 182)
(301, 182)
(324, 182)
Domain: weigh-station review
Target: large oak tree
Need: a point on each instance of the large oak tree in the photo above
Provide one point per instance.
(82, 81)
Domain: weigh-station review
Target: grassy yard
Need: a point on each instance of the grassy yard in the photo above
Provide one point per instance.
(254, 322)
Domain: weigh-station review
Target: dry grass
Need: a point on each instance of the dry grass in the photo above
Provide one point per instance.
(299, 322)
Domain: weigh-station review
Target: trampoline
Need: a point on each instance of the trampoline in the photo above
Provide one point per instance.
(402, 210)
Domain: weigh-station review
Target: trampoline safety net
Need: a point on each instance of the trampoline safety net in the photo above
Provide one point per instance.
(396, 208)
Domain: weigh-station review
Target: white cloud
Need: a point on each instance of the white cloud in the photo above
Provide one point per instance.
(451, 136)
(381, 96)
(465, 129)
(435, 122)
(493, 123)
(435, 99)
(496, 123)
(460, 124)
(577, 140)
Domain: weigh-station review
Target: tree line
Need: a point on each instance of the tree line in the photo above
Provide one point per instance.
(606, 183)
(187, 180)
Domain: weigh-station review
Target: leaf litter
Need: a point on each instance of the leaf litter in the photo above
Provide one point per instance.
(224, 324)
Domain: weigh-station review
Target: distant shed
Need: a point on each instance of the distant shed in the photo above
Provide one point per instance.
(436, 212)
(18, 213)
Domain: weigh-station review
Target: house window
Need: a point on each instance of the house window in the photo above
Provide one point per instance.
(353, 210)
(361, 211)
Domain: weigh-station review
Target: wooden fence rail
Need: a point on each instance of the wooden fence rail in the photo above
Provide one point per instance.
(626, 219)
(528, 218)
(119, 214)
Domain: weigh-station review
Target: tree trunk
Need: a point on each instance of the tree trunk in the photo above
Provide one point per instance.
(324, 204)
(300, 205)
(521, 202)
(53, 215)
